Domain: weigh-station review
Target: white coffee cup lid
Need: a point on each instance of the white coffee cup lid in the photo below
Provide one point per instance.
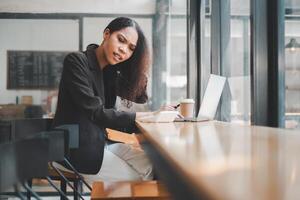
(187, 101)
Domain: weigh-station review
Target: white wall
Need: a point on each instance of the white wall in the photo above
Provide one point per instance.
(39, 35)
(79, 6)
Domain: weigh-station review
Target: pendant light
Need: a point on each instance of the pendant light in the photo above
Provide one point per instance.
(293, 45)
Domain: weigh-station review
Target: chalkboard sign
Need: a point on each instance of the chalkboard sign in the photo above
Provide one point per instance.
(34, 69)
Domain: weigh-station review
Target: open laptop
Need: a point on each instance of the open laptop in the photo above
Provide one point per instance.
(209, 105)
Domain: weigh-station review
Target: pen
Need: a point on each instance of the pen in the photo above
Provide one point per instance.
(176, 106)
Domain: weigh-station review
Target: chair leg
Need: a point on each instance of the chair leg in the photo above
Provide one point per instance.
(28, 194)
(63, 188)
(29, 189)
(77, 173)
(18, 192)
(56, 188)
(77, 189)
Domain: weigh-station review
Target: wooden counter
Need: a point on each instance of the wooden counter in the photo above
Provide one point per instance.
(227, 161)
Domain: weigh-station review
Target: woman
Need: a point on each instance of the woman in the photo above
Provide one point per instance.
(90, 82)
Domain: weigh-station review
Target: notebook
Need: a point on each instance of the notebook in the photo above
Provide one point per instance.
(211, 98)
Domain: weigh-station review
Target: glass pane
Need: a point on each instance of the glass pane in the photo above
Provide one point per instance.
(176, 78)
(292, 65)
(169, 53)
(206, 46)
(109, 7)
(235, 45)
(28, 35)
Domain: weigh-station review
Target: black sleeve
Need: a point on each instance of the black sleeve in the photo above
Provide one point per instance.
(76, 77)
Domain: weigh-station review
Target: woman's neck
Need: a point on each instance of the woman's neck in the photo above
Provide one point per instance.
(102, 62)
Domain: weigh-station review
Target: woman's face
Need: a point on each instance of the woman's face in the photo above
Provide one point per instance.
(119, 45)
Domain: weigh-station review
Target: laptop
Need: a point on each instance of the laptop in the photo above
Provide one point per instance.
(209, 105)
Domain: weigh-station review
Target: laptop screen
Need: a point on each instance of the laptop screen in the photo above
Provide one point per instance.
(212, 96)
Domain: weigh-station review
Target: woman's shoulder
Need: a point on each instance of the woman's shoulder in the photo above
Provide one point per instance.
(78, 59)
(76, 56)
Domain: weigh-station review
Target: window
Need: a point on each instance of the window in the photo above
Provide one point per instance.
(235, 60)
(292, 65)
(206, 47)
(163, 22)
(169, 80)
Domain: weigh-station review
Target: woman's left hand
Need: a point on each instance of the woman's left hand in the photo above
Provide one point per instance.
(167, 108)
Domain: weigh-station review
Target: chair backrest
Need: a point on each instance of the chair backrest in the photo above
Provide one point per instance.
(57, 143)
(32, 158)
(22, 160)
(19, 129)
(73, 130)
(5, 131)
(8, 166)
(23, 128)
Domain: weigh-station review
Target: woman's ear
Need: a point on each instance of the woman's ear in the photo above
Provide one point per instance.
(106, 34)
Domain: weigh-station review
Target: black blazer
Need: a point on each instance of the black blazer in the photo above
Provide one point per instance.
(81, 100)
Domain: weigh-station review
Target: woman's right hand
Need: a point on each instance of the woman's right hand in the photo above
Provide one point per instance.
(140, 115)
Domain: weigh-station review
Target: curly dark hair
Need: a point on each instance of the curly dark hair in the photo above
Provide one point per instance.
(132, 74)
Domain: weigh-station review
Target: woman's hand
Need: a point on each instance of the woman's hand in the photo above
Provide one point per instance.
(140, 115)
(167, 108)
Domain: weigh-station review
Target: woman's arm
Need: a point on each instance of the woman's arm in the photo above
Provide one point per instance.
(140, 115)
(143, 114)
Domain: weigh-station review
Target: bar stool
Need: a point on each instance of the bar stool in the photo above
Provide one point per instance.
(56, 152)
(71, 142)
(24, 128)
(22, 160)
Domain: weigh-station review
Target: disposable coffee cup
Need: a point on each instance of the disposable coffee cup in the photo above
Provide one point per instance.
(187, 107)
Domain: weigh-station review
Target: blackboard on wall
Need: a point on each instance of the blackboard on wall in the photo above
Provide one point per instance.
(34, 69)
